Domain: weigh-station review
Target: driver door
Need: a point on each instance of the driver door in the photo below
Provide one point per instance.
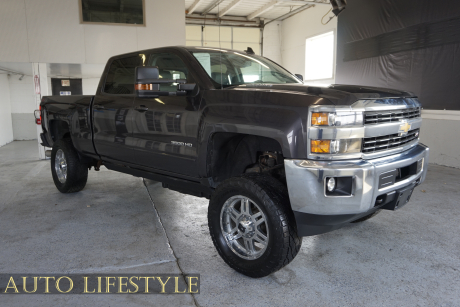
(165, 129)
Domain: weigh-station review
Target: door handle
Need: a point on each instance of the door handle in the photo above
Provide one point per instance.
(98, 107)
(141, 108)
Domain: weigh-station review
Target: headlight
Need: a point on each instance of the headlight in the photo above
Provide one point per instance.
(338, 118)
(335, 146)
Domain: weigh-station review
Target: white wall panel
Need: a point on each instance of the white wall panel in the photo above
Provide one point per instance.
(103, 41)
(22, 94)
(89, 85)
(165, 24)
(13, 32)
(225, 45)
(54, 31)
(23, 105)
(193, 33)
(214, 33)
(49, 31)
(24, 127)
(272, 42)
(295, 31)
(6, 126)
(249, 35)
(440, 136)
(193, 43)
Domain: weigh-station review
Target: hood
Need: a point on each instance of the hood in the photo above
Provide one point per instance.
(337, 94)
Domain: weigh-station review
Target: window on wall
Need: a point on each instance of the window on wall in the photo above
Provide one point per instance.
(319, 57)
(229, 37)
(112, 11)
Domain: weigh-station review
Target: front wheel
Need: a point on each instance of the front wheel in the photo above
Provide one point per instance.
(252, 225)
(69, 173)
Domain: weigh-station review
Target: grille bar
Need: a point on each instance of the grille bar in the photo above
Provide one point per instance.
(377, 117)
(385, 142)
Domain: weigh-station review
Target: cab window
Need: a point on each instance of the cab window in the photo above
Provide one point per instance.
(120, 78)
(171, 67)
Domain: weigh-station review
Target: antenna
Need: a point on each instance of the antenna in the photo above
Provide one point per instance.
(249, 51)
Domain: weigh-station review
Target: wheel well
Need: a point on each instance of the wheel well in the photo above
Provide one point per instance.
(59, 129)
(232, 154)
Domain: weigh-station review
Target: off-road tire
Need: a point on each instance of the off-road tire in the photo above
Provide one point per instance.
(77, 172)
(272, 197)
(365, 218)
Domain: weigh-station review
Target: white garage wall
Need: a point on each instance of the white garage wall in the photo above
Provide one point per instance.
(89, 85)
(6, 127)
(49, 31)
(272, 42)
(440, 133)
(295, 30)
(22, 100)
(22, 107)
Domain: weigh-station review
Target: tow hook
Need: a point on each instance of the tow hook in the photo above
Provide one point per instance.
(97, 166)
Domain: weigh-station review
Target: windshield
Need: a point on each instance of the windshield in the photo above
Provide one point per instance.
(229, 68)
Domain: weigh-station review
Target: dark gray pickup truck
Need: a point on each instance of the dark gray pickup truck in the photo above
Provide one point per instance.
(278, 159)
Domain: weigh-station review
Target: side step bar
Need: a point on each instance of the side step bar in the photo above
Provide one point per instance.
(172, 183)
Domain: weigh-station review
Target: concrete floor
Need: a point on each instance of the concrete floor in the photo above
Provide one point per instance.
(120, 223)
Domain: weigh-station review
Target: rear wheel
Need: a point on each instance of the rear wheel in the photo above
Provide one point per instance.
(252, 225)
(69, 173)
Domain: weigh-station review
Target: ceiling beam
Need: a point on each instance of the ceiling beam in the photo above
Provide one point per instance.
(229, 7)
(193, 7)
(212, 6)
(263, 9)
(296, 11)
(300, 2)
(212, 19)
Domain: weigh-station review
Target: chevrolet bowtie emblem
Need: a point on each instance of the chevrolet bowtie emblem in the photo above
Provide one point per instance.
(404, 128)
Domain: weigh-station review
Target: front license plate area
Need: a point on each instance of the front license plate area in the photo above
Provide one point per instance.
(403, 197)
(398, 198)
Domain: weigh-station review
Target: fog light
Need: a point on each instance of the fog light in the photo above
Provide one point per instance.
(331, 184)
(420, 165)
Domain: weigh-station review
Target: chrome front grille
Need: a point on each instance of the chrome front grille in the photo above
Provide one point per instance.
(385, 142)
(378, 117)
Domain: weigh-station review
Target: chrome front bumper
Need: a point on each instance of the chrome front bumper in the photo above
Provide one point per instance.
(306, 182)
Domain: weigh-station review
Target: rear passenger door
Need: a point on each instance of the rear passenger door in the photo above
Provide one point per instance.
(113, 109)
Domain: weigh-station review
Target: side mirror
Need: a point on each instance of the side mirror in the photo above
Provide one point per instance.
(299, 76)
(148, 83)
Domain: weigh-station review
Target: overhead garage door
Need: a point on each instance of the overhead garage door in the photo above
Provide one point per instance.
(237, 38)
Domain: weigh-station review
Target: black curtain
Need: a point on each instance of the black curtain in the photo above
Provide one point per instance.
(411, 45)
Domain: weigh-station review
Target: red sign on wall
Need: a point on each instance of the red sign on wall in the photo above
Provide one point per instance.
(37, 84)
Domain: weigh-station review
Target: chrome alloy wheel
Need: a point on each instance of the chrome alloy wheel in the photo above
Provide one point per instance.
(244, 227)
(60, 165)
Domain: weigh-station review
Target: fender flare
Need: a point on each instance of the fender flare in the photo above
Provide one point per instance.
(288, 130)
